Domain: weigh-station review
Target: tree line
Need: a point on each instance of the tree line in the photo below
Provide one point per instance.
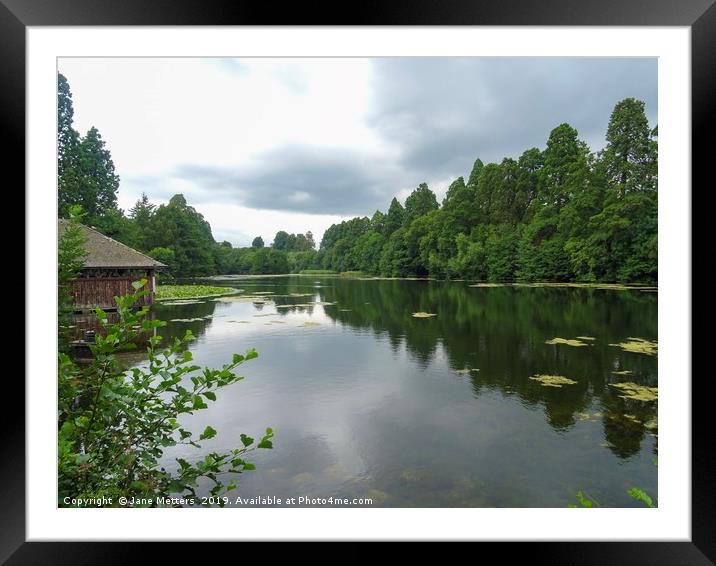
(559, 214)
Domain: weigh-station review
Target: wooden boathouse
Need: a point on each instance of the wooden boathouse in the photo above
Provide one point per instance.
(109, 270)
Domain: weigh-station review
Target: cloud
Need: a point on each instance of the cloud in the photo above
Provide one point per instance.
(330, 136)
(317, 180)
(446, 112)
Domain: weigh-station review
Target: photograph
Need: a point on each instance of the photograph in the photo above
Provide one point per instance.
(357, 282)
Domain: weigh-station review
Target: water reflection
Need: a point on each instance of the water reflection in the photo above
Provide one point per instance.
(433, 411)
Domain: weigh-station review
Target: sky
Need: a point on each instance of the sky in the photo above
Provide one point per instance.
(259, 145)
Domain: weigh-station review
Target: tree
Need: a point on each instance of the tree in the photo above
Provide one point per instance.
(475, 173)
(167, 257)
(565, 171)
(269, 261)
(395, 217)
(182, 229)
(98, 182)
(68, 142)
(70, 261)
(258, 242)
(141, 215)
(630, 154)
(280, 241)
(419, 203)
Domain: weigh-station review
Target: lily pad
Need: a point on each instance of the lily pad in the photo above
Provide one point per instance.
(423, 314)
(566, 342)
(552, 380)
(638, 346)
(637, 392)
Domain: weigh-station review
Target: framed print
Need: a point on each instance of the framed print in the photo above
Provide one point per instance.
(393, 278)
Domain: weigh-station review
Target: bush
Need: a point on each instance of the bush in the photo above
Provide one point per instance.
(114, 423)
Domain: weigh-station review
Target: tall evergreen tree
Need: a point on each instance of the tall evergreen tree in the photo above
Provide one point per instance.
(395, 217)
(630, 155)
(68, 142)
(421, 201)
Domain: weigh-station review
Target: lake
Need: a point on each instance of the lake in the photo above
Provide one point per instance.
(368, 401)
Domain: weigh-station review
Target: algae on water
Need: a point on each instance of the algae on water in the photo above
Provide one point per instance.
(638, 346)
(637, 392)
(566, 342)
(552, 380)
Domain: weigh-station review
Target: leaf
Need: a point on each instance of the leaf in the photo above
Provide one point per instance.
(246, 440)
(238, 358)
(265, 444)
(584, 500)
(210, 395)
(642, 496)
(208, 433)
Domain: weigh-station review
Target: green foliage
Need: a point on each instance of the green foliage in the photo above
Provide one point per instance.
(167, 257)
(85, 169)
(268, 260)
(70, 260)
(182, 229)
(293, 242)
(190, 291)
(419, 203)
(584, 501)
(562, 214)
(642, 496)
(114, 424)
(634, 493)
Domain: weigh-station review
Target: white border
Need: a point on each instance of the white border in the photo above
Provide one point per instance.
(671, 521)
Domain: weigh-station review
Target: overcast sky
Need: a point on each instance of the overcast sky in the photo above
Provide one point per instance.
(261, 145)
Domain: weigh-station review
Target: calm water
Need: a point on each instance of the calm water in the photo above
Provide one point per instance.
(431, 412)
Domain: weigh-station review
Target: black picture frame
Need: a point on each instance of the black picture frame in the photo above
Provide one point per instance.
(699, 15)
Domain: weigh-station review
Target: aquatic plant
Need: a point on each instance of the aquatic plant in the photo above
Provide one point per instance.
(169, 292)
(566, 342)
(638, 346)
(553, 380)
(635, 391)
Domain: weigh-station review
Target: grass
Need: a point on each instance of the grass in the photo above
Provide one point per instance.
(166, 292)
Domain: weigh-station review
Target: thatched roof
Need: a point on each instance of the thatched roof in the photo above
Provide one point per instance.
(104, 252)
